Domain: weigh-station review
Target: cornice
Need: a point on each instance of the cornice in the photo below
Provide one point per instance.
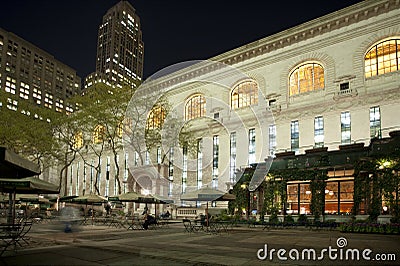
(328, 23)
(333, 21)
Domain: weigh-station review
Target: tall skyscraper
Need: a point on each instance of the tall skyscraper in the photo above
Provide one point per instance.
(29, 73)
(120, 48)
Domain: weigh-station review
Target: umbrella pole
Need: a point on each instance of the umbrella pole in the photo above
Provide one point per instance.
(207, 213)
(10, 206)
(92, 214)
(13, 213)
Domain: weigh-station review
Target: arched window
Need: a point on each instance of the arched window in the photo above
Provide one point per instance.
(195, 107)
(78, 140)
(382, 58)
(120, 129)
(305, 78)
(244, 94)
(155, 118)
(98, 134)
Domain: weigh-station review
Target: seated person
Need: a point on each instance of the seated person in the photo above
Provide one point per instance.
(148, 220)
(203, 219)
(165, 215)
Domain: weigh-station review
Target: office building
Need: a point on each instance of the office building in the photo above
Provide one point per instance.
(29, 73)
(120, 48)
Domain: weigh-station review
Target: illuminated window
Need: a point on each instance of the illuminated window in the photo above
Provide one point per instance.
(24, 91)
(159, 157)
(305, 78)
(199, 163)
(252, 146)
(294, 136)
(272, 139)
(232, 160)
(345, 124)
(120, 129)
(185, 168)
(319, 131)
(98, 134)
(155, 118)
(10, 85)
(78, 140)
(214, 172)
(195, 107)
(244, 94)
(382, 58)
(375, 122)
(171, 170)
(299, 198)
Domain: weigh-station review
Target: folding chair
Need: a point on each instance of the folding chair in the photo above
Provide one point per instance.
(26, 227)
(188, 225)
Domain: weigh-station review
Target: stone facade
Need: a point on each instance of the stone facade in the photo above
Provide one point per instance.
(338, 42)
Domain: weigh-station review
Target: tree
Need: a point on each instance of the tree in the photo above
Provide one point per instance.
(101, 119)
(27, 129)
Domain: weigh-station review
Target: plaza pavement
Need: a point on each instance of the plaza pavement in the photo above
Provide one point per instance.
(102, 245)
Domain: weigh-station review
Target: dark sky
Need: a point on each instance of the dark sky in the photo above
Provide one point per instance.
(173, 30)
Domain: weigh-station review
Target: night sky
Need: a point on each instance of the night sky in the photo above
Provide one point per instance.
(173, 31)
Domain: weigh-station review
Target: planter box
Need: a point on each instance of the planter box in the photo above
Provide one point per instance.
(384, 219)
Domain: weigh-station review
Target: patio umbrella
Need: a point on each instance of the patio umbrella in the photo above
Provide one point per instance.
(203, 194)
(14, 166)
(155, 199)
(27, 185)
(31, 198)
(130, 196)
(64, 198)
(89, 199)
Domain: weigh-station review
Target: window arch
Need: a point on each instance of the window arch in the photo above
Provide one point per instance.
(155, 118)
(306, 77)
(78, 140)
(382, 58)
(244, 94)
(195, 107)
(98, 134)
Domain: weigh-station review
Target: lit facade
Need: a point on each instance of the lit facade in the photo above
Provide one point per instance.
(29, 73)
(120, 48)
